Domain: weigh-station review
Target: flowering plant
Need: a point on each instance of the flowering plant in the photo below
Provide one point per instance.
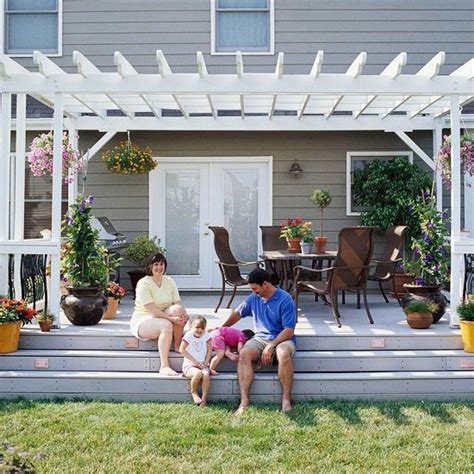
(430, 262)
(84, 260)
(114, 290)
(15, 310)
(40, 156)
(127, 158)
(467, 158)
(295, 228)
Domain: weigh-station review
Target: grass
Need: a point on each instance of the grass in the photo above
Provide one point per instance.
(86, 436)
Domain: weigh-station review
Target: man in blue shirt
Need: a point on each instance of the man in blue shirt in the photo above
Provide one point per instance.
(274, 315)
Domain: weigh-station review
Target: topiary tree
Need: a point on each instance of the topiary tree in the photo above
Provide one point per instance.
(385, 191)
(321, 198)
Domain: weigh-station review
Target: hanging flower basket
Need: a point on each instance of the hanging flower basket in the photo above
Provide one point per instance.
(467, 158)
(40, 157)
(127, 158)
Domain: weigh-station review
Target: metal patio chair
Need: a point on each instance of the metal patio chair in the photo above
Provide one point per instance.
(271, 241)
(349, 271)
(229, 266)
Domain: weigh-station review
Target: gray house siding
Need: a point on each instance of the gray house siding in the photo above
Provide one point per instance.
(341, 28)
(124, 199)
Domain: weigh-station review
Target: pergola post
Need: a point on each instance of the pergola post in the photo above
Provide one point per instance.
(73, 178)
(19, 199)
(437, 142)
(457, 258)
(6, 107)
(56, 204)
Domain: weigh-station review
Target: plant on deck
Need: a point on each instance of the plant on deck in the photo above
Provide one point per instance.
(467, 158)
(142, 248)
(295, 229)
(416, 306)
(466, 311)
(12, 311)
(115, 291)
(321, 198)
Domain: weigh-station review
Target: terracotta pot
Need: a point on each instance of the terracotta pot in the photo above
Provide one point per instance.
(112, 306)
(419, 320)
(9, 336)
(320, 244)
(294, 244)
(400, 280)
(45, 325)
(467, 335)
(428, 294)
(135, 276)
(84, 306)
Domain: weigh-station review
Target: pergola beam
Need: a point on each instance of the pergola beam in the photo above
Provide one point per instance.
(413, 146)
(315, 71)
(202, 71)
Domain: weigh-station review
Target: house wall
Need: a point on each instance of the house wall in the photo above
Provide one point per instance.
(341, 28)
(124, 199)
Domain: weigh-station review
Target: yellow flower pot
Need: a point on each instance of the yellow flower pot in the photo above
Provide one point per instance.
(467, 335)
(9, 337)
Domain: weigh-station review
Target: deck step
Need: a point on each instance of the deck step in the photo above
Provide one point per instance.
(132, 386)
(305, 361)
(93, 340)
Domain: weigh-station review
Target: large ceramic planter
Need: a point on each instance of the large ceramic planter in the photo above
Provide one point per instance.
(428, 294)
(84, 306)
(401, 279)
(419, 320)
(9, 337)
(320, 244)
(135, 276)
(467, 335)
(294, 244)
(112, 307)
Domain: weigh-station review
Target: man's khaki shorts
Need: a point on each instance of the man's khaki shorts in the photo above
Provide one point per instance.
(259, 344)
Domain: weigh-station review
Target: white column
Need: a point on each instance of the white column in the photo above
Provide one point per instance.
(457, 259)
(20, 151)
(72, 187)
(56, 205)
(6, 107)
(437, 142)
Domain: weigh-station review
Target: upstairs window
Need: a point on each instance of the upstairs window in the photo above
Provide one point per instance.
(32, 25)
(242, 25)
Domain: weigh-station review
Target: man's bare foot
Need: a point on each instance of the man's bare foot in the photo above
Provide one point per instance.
(168, 371)
(196, 398)
(233, 357)
(286, 405)
(203, 404)
(213, 372)
(241, 410)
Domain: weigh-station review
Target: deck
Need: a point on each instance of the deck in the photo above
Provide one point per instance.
(387, 360)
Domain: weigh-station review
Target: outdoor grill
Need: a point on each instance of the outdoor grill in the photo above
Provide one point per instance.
(112, 240)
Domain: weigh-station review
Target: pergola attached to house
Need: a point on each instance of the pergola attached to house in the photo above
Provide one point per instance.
(128, 100)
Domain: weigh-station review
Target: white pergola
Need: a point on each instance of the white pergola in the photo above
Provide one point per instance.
(125, 99)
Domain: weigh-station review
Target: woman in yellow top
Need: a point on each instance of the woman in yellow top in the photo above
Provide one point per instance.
(158, 312)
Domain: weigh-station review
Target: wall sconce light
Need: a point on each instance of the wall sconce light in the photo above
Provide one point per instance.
(295, 169)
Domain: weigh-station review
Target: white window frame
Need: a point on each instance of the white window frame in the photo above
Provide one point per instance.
(371, 155)
(270, 52)
(3, 24)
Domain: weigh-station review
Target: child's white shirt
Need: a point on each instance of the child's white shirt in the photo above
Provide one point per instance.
(197, 348)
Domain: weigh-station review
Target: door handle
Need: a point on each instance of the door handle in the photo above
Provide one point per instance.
(206, 226)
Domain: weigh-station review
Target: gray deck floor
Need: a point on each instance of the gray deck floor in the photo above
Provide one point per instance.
(314, 318)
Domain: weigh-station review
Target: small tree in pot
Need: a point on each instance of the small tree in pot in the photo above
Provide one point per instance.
(138, 253)
(321, 199)
(84, 266)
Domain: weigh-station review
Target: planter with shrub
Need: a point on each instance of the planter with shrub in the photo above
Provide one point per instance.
(420, 314)
(466, 316)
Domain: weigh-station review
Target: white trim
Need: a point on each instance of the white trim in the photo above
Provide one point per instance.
(271, 50)
(375, 155)
(59, 52)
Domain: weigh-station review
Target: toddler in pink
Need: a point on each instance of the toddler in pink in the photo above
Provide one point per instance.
(225, 342)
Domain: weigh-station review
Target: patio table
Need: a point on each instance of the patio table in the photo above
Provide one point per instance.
(287, 258)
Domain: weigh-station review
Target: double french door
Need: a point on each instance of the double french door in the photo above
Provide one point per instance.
(187, 195)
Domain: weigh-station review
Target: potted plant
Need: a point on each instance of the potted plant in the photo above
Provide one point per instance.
(84, 266)
(321, 199)
(13, 315)
(45, 320)
(293, 231)
(114, 293)
(138, 253)
(384, 191)
(466, 316)
(420, 314)
(128, 158)
(430, 261)
(307, 238)
(40, 156)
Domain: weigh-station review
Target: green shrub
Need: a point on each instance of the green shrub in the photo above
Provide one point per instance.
(45, 316)
(466, 311)
(142, 248)
(420, 307)
(321, 198)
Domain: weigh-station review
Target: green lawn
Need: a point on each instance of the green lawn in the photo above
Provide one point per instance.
(321, 436)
